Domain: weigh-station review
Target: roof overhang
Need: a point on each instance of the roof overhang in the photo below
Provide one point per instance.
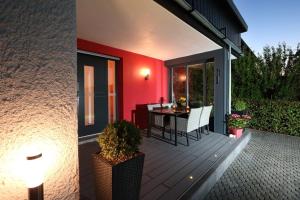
(142, 27)
(183, 10)
(238, 15)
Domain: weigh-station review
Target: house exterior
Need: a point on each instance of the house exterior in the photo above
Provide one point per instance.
(129, 53)
(169, 39)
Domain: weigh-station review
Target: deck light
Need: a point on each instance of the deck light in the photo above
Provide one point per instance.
(34, 176)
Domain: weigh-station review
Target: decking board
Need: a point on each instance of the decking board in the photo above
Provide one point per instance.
(183, 185)
(167, 168)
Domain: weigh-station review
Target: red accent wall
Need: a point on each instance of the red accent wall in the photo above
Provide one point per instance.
(133, 88)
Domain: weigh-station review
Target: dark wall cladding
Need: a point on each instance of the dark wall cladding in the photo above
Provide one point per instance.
(219, 13)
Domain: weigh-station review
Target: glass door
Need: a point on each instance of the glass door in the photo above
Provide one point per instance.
(195, 82)
(196, 85)
(179, 79)
(96, 93)
(112, 94)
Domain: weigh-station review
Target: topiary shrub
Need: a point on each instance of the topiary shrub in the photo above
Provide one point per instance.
(240, 105)
(119, 141)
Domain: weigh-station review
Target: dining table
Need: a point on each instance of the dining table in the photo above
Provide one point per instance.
(167, 112)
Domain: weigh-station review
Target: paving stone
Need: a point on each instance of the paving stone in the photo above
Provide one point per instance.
(268, 168)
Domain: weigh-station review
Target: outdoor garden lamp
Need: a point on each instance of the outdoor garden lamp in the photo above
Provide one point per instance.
(34, 176)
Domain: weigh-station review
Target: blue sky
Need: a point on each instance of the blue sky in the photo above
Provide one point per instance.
(270, 22)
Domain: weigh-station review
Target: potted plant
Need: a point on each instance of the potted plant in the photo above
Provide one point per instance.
(119, 164)
(240, 107)
(237, 123)
(181, 103)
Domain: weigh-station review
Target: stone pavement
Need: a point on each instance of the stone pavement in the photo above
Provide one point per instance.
(268, 168)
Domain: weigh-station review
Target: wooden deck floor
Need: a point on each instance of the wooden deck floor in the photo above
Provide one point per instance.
(170, 172)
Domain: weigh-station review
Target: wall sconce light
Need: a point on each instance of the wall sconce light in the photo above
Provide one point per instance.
(146, 73)
(182, 78)
(34, 177)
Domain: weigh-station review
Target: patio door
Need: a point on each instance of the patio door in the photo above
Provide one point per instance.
(194, 82)
(96, 93)
(201, 84)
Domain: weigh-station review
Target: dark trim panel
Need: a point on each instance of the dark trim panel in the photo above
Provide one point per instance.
(192, 59)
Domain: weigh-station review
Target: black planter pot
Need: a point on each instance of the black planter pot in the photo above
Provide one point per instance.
(120, 181)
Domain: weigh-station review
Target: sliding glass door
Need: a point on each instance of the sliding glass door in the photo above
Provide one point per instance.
(196, 85)
(195, 82)
(179, 82)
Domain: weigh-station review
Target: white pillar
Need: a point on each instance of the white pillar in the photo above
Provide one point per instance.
(229, 81)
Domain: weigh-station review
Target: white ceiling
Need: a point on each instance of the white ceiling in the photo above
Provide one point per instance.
(139, 26)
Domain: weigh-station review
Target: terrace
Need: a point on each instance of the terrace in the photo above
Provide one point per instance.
(173, 172)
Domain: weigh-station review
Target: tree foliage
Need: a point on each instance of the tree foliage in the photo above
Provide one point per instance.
(273, 75)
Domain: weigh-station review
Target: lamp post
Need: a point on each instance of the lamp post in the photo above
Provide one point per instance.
(34, 176)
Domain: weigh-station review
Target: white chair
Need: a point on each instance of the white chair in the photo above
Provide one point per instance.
(187, 125)
(167, 105)
(204, 118)
(158, 119)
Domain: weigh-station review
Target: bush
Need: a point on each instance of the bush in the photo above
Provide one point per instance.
(240, 105)
(275, 116)
(119, 141)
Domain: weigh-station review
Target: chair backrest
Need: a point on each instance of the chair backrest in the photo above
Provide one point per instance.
(205, 114)
(169, 105)
(193, 119)
(152, 106)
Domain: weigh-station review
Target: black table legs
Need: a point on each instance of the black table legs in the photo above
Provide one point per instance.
(149, 124)
(175, 130)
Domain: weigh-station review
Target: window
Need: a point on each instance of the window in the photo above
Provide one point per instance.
(179, 82)
(111, 91)
(195, 82)
(89, 117)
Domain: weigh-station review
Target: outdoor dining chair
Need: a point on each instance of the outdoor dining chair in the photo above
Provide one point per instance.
(159, 120)
(187, 125)
(204, 119)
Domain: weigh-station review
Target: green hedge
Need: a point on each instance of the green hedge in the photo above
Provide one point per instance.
(275, 116)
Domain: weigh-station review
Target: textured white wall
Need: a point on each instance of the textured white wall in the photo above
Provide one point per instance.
(38, 95)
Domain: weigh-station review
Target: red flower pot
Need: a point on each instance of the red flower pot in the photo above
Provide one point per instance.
(236, 131)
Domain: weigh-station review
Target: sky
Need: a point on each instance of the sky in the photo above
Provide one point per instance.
(270, 22)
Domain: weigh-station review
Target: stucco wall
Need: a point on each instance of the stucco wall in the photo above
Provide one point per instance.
(38, 95)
